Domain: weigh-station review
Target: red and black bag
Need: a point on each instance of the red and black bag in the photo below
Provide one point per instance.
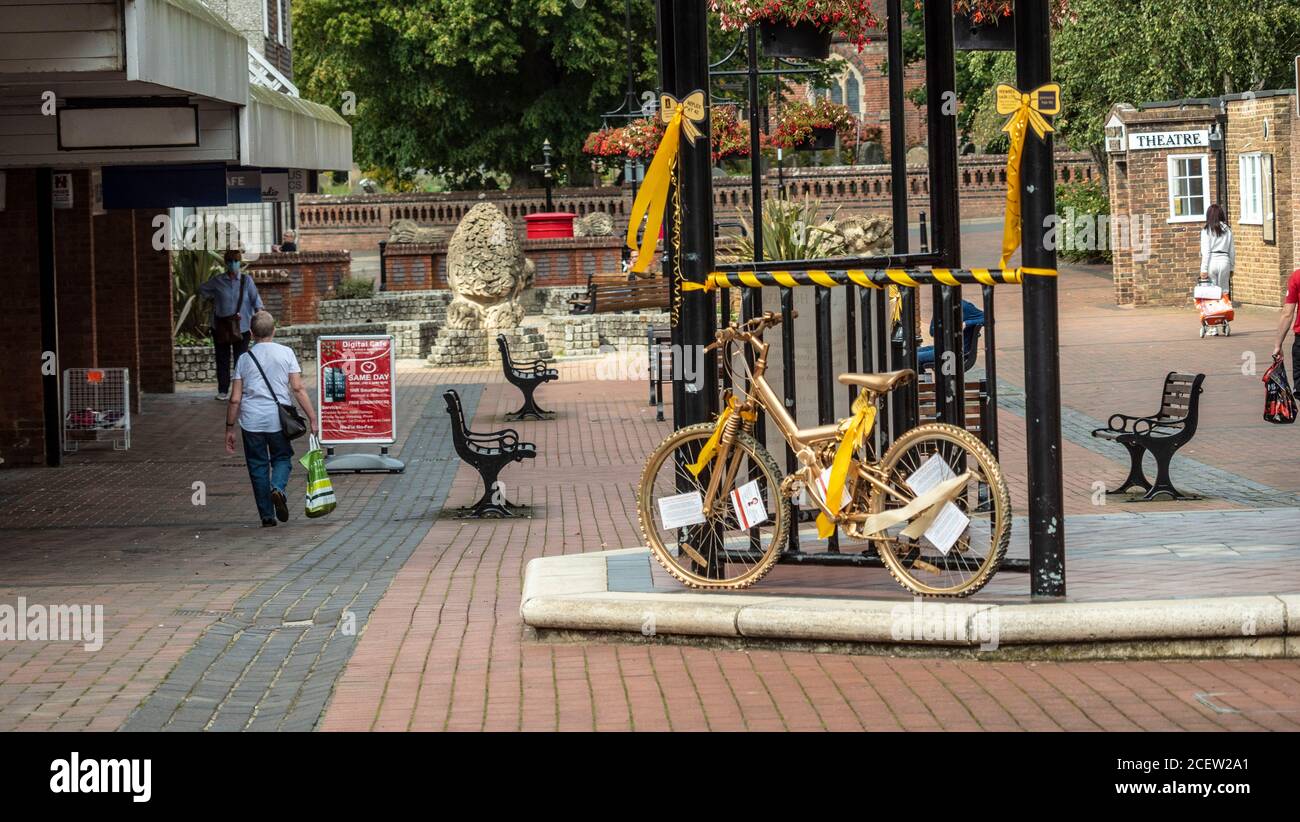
(1279, 401)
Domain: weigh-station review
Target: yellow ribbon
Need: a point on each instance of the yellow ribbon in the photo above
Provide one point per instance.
(864, 416)
(711, 444)
(1026, 112)
(652, 199)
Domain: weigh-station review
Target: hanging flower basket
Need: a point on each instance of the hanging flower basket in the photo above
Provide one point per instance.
(813, 126)
(821, 139)
(798, 28)
(988, 26)
(805, 40)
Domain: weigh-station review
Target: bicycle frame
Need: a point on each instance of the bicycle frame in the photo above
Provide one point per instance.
(805, 442)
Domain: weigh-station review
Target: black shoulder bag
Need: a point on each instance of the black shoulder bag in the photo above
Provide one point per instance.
(292, 423)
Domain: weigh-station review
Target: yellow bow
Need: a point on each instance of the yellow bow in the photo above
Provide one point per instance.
(652, 198)
(711, 444)
(1026, 112)
(864, 416)
(691, 110)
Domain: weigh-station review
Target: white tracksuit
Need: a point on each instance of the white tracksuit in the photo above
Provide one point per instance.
(1218, 256)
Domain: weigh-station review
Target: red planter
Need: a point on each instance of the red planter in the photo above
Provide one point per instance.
(549, 224)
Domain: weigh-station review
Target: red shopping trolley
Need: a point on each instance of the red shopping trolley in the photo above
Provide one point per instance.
(1215, 307)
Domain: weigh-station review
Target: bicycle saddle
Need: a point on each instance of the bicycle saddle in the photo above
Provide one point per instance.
(878, 383)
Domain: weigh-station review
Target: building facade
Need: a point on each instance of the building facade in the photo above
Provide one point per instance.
(1169, 161)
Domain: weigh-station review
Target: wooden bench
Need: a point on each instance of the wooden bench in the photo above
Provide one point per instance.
(616, 292)
(976, 410)
(487, 453)
(1162, 433)
(525, 376)
(659, 348)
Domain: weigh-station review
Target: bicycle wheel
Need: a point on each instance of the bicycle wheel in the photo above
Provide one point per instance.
(917, 564)
(718, 552)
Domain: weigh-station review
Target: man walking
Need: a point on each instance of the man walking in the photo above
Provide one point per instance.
(266, 377)
(234, 300)
(1289, 322)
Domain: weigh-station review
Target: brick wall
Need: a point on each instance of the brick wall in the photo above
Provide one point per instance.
(117, 293)
(75, 277)
(154, 309)
(311, 274)
(1262, 125)
(22, 431)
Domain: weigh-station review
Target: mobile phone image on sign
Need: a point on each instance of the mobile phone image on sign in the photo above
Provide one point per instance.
(747, 500)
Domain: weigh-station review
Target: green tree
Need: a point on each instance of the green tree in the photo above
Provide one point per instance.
(1134, 51)
(469, 87)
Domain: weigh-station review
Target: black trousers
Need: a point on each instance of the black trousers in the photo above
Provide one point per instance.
(1295, 365)
(224, 354)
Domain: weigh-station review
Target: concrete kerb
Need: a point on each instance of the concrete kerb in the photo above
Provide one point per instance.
(567, 598)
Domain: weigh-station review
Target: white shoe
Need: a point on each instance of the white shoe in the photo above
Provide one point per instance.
(223, 396)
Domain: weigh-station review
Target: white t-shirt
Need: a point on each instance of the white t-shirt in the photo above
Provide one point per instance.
(258, 409)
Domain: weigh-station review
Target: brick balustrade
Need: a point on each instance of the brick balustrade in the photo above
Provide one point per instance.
(361, 220)
(559, 262)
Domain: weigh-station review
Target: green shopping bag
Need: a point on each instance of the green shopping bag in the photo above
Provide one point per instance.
(320, 491)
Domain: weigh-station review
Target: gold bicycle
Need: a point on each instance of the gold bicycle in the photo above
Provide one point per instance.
(715, 507)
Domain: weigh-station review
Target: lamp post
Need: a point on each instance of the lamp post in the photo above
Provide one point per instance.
(545, 168)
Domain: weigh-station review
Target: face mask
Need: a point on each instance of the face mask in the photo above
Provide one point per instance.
(233, 265)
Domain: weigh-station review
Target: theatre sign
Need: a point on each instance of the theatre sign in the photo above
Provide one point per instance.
(1168, 139)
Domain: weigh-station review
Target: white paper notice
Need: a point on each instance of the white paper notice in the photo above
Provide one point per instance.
(682, 509)
(750, 508)
(949, 525)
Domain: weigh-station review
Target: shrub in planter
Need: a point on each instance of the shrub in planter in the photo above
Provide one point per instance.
(728, 134)
(639, 139)
(352, 288)
(851, 18)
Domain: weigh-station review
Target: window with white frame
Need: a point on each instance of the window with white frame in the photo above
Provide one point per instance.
(283, 22)
(1251, 174)
(1189, 182)
(266, 18)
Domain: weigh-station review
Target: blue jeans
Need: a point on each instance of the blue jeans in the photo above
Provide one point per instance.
(267, 450)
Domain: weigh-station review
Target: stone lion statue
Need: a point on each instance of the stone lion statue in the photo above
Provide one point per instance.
(486, 271)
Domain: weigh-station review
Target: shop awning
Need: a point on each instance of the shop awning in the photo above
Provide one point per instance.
(277, 130)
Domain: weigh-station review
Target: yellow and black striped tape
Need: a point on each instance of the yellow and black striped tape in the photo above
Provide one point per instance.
(869, 278)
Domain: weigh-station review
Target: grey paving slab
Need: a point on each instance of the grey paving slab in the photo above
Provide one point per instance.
(250, 659)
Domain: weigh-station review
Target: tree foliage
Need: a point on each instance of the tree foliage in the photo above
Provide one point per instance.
(1135, 51)
(464, 87)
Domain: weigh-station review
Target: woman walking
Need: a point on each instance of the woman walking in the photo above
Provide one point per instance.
(266, 376)
(1218, 252)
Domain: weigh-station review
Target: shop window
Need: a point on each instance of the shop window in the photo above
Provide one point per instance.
(1189, 180)
(1250, 173)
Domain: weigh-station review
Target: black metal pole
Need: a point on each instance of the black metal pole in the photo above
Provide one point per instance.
(49, 317)
(688, 51)
(1042, 337)
(899, 401)
(989, 424)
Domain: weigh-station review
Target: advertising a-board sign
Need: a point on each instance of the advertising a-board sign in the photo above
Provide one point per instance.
(356, 391)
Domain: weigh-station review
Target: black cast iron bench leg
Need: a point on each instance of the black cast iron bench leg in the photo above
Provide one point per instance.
(530, 407)
(1136, 476)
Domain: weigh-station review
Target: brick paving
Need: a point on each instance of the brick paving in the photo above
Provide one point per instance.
(196, 596)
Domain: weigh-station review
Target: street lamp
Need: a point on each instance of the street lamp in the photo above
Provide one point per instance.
(545, 168)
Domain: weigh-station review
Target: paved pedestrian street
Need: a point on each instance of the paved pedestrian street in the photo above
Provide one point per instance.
(389, 614)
